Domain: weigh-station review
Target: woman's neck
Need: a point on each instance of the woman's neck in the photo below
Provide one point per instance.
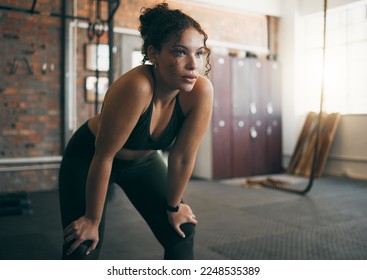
(162, 93)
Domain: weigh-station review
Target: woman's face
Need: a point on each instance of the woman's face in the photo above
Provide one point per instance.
(179, 63)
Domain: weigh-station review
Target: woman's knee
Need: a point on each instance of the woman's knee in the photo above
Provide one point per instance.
(188, 229)
(183, 248)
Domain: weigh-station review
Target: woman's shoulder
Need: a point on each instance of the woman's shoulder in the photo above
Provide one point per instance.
(204, 85)
(142, 71)
(203, 88)
(137, 79)
(136, 84)
(201, 94)
(134, 88)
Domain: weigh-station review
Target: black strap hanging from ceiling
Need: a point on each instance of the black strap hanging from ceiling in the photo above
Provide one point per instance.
(96, 29)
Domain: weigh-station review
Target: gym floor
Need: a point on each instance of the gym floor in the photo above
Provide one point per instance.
(235, 223)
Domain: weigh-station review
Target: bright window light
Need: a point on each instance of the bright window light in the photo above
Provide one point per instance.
(345, 60)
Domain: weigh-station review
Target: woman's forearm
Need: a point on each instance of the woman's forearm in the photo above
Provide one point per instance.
(179, 173)
(97, 184)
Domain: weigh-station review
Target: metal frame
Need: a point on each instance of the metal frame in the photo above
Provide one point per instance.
(113, 6)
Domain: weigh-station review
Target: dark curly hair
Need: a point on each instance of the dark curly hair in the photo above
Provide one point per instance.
(157, 24)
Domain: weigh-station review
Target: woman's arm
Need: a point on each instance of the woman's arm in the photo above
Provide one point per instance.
(182, 157)
(125, 101)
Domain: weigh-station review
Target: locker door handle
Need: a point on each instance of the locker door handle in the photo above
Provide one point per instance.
(269, 108)
(222, 123)
(269, 130)
(253, 109)
(253, 132)
(241, 124)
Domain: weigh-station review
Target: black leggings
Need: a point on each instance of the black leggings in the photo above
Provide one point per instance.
(143, 180)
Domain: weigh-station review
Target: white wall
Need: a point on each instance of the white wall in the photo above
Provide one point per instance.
(348, 154)
(267, 7)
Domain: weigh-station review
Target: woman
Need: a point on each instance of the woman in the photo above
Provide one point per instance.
(152, 107)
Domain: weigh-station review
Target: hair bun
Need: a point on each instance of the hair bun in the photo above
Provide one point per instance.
(149, 16)
(159, 23)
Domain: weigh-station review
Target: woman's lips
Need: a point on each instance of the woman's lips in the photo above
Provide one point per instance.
(190, 78)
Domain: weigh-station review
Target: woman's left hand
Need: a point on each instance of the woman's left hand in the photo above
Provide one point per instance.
(184, 215)
(79, 231)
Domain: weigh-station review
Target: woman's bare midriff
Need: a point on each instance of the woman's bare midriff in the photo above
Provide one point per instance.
(124, 154)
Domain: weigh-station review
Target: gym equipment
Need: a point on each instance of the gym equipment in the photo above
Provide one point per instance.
(15, 203)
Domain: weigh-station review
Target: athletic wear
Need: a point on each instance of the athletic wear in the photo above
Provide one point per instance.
(141, 139)
(143, 180)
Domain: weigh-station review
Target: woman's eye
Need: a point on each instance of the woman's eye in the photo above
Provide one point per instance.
(201, 52)
(179, 52)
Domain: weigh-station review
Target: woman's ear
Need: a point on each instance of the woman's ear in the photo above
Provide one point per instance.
(152, 55)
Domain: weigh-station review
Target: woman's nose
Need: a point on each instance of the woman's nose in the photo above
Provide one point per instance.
(192, 63)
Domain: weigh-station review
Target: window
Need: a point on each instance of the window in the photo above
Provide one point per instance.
(345, 59)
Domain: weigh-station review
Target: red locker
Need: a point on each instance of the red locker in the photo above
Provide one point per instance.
(245, 137)
(273, 117)
(221, 120)
(255, 89)
(241, 148)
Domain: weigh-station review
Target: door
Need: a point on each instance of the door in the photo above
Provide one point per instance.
(130, 52)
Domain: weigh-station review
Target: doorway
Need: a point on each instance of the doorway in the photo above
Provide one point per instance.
(130, 52)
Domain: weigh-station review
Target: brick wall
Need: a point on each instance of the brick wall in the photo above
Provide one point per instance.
(30, 104)
(30, 110)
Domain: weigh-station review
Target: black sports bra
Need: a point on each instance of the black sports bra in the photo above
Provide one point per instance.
(141, 139)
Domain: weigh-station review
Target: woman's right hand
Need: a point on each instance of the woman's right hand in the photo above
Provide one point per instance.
(81, 230)
(184, 215)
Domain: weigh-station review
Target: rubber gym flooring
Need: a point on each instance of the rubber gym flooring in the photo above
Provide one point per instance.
(235, 223)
